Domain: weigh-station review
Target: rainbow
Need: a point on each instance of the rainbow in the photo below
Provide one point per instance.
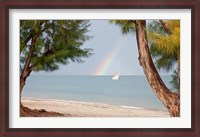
(107, 61)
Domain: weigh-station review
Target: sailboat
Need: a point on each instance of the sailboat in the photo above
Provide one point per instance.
(116, 76)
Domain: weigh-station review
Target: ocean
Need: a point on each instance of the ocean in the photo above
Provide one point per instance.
(130, 91)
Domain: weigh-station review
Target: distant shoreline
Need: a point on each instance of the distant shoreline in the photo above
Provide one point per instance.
(90, 109)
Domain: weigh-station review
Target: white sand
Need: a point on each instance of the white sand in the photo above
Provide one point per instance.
(85, 109)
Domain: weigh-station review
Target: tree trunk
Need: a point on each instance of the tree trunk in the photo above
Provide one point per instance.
(27, 68)
(166, 28)
(23, 78)
(169, 99)
(22, 83)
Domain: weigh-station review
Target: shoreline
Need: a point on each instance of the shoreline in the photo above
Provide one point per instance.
(90, 109)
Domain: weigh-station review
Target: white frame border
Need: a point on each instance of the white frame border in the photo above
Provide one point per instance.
(184, 121)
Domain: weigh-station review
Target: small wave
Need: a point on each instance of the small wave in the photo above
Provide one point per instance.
(132, 107)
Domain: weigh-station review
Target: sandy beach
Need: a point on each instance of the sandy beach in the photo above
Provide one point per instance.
(88, 109)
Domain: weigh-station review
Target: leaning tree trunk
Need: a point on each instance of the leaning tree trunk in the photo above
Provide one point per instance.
(169, 99)
(26, 72)
(27, 68)
(23, 77)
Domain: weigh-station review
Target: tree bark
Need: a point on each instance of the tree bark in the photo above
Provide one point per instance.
(170, 100)
(165, 27)
(23, 78)
(27, 69)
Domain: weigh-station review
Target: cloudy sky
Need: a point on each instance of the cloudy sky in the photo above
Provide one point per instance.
(112, 52)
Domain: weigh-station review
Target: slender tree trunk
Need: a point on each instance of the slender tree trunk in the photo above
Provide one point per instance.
(23, 82)
(166, 28)
(27, 68)
(169, 99)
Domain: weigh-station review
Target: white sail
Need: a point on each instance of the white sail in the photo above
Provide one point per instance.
(116, 76)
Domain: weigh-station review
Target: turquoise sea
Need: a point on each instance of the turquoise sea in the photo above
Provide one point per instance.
(133, 91)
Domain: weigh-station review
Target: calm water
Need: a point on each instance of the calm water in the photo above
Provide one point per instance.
(128, 91)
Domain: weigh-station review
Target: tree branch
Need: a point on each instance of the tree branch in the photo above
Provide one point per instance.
(28, 60)
(45, 54)
(166, 28)
(32, 67)
(32, 34)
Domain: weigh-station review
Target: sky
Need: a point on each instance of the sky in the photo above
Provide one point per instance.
(112, 52)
